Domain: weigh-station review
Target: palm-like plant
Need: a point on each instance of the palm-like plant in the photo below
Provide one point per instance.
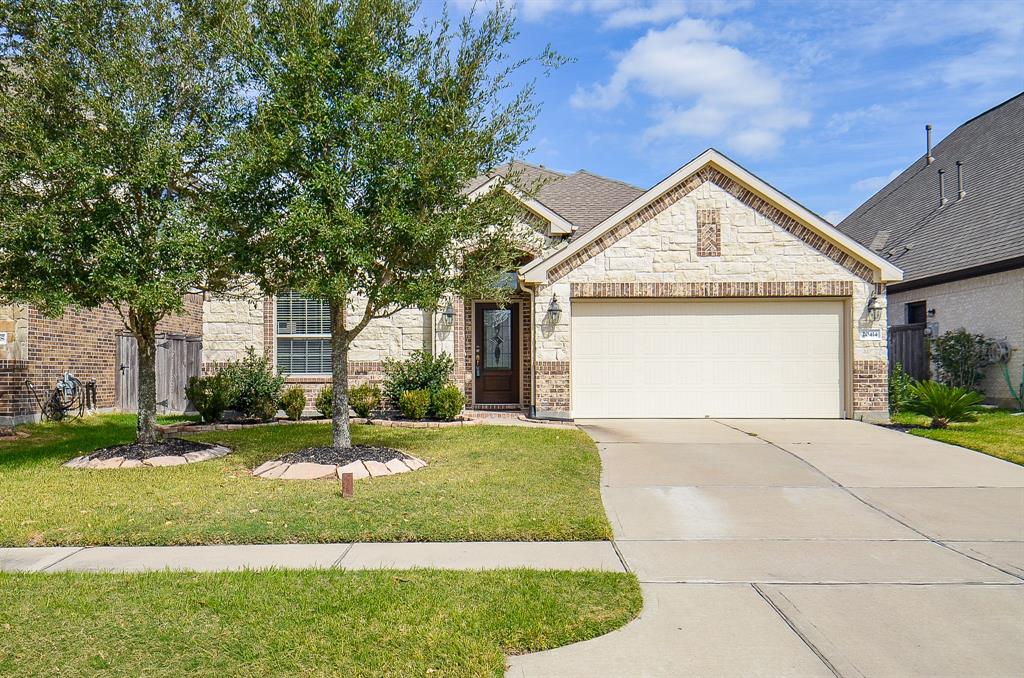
(944, 404)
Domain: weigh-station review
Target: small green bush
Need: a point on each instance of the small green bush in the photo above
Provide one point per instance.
(944, 404)
(961, 358)
(255, 389)
(422, 371)
(293, 402)
(414, 404)
(325, 402)
(899, 388)
(364, 399)
(447, 403)
(209, 395)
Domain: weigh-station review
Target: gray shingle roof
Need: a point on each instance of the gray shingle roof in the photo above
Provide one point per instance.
(905, 223)
(583, 198)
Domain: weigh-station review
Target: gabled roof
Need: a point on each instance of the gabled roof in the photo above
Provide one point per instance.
(537, 271)
(582, 199)
(905, 223)
(586, 199)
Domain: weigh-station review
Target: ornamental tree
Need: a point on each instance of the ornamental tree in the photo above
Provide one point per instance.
(350, 183)
(114, 117)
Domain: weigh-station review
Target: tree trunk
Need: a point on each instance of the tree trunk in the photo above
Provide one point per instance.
(341, 435)
(145, 335)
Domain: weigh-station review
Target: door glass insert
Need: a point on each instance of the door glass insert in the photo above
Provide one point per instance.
(498, 339)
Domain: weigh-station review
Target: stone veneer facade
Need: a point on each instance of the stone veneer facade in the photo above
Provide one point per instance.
(763, 252)
(83, 341)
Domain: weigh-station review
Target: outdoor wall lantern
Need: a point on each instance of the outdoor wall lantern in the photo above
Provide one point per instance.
(447, 319)
(554, 310)
(874, 308)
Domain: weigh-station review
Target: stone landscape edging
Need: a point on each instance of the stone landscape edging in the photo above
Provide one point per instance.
(84, 462)
(275, 469)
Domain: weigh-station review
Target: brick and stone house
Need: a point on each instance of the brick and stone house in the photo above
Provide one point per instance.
(89, 343)
(954, 222)
(710, 294)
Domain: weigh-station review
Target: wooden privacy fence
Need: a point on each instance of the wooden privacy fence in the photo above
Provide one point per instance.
(178, 358)
(908, 347)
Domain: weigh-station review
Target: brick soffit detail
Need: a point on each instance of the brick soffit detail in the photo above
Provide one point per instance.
(735, 189)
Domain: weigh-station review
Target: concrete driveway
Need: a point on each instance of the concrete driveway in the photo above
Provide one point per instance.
(806, 548)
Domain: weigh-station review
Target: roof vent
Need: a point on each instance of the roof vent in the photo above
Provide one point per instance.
(928, 140)
(881, 238)
(942, 188)
(960, 180)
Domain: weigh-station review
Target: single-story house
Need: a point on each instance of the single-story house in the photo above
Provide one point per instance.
(709, 294)
(954, 222)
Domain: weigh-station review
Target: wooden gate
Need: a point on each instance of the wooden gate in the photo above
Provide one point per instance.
(178, 358)
(908, 347)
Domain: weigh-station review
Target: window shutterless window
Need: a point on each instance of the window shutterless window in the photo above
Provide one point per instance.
(303, 335)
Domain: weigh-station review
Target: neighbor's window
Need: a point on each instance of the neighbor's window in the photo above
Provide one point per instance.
(303, 335)
(917, 312)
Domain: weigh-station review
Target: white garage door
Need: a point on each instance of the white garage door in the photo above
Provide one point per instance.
(707, 358)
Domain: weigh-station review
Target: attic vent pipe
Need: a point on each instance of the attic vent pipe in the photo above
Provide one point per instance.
(942, 188)
(928, 137)
(960, 180)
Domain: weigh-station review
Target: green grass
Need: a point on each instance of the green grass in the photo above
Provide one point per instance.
(483, 483)
(300, 623)
(996, 433)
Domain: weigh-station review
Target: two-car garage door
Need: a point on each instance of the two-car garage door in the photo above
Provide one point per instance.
(734, 358)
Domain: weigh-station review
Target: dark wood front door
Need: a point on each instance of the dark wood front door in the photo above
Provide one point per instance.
(496, 356)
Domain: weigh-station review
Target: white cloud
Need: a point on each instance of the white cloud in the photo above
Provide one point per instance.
(620, 13)
(834, 216)
(874, 184)
(702, 86)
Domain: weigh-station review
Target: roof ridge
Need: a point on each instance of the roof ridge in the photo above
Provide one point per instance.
(537, 167)
(983, 114)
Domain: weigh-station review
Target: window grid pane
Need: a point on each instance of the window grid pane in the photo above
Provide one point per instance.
(304, 330)
(304, 356)
(297, 315)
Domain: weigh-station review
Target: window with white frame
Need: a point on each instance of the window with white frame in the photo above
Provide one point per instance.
(303, 335)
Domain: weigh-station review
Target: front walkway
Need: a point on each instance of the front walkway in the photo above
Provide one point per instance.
(806, 548)
(573, 555)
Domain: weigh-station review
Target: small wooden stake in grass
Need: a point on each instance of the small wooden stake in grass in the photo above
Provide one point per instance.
(346, 485)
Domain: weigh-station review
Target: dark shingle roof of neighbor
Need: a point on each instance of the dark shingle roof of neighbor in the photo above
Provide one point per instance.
(583, 198)
(905, 223)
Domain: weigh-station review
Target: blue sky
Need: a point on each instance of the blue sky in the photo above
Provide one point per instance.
(826, 101)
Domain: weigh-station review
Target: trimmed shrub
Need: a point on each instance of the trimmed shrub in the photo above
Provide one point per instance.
(293, 402)
(325, 402)
(364, 399)
(209, 395)
(944, 404)
(414, 404)
(422, 371)
(447, 403)
(961, 358)
(899, 388)
(255, 389)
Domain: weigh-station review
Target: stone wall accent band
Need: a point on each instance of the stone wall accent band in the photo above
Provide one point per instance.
(712, 290)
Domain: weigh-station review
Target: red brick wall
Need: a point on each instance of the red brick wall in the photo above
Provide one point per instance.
(15, 400)
(83, 341)
(553, 388)
(870, 386)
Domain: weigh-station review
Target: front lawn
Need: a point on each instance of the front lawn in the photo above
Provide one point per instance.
(300, 623)
(483, 483)
(997, 433)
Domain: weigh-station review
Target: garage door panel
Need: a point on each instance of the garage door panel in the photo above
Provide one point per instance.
(695, 359)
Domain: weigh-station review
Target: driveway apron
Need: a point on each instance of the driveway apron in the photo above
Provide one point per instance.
(805, 548)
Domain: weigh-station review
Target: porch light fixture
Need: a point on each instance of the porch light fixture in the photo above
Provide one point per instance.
(447, 319)
(554, 310)
(874, 308)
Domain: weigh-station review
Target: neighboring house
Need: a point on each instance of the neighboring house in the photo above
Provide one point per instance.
(91, 344)
(954, 222)
(710, 294)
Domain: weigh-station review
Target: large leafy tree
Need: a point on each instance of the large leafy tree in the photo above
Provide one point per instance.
(351, 183)
(113, 118)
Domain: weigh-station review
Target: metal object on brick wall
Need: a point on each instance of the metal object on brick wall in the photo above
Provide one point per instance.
(71, 398)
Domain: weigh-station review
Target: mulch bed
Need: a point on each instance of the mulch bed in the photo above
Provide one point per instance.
(342, 457)
(140, 451)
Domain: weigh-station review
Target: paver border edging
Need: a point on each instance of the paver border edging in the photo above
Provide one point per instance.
(84, 462)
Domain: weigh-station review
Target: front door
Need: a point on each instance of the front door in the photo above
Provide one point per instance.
(496, 361)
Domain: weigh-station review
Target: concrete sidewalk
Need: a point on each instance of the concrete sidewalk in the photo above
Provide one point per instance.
(596, 555)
